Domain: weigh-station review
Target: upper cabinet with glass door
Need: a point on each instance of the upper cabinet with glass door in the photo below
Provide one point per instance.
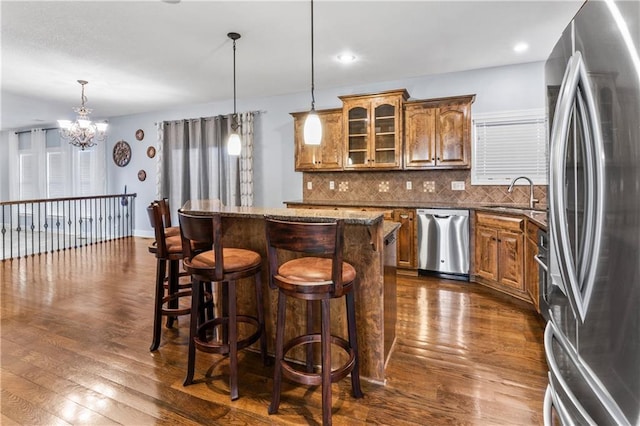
(373, 130)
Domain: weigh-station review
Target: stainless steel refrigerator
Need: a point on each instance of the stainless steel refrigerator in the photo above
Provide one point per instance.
(592, 340)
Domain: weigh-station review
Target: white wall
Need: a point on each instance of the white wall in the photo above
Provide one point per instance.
(497, 89)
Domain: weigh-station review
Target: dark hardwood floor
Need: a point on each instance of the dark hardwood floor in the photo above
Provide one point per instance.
(76, 327)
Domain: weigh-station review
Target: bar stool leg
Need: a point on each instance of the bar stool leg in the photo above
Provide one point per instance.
(174, 275)
(277, 370)
(353, 342)
(263, 335)
(325, 333)
(196, 285)
(233, 341)
(309, 348)
(161, 270)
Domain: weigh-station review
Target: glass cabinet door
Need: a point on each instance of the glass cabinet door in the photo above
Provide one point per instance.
(358, 135)
(384, 132)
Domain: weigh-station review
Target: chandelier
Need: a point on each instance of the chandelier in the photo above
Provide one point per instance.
(82, 133)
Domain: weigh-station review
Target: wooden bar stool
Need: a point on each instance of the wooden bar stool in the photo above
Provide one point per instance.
(320, 275)
(168, 251)
(224, 265)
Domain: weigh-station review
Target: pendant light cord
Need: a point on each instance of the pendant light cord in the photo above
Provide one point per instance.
(313, 99)
(234, 78)
(234, 124)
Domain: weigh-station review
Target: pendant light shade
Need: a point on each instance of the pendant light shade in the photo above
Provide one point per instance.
(312, 125)
(312, 129)
(234, 144)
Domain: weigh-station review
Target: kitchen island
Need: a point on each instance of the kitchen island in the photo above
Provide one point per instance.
(364, 238)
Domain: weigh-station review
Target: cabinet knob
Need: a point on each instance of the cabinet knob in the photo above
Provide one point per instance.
(433, 159)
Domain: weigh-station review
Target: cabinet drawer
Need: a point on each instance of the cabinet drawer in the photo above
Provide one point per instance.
(499, 221)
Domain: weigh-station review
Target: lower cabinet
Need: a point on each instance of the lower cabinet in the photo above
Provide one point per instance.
(531, 268)
(406, 237)
(499, 253)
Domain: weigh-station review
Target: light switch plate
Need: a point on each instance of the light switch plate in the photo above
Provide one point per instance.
(309, 185)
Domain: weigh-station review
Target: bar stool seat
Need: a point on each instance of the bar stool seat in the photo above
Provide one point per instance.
(172, 231)
(223, 265)
(321, 275)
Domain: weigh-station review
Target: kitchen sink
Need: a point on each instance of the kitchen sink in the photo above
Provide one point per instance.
(514, 209)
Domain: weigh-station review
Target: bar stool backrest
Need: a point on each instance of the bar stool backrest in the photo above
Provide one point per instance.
(155, 217)
(320, 239)
(165, 211)
(202, 231)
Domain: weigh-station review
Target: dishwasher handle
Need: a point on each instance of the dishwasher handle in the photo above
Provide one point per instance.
(442, 213)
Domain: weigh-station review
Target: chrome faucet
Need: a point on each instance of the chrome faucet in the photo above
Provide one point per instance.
(532, 201)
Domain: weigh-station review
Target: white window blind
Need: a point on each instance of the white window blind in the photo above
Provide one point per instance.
(55, 175)
(27, 172)
(85, 173)
(508, 145)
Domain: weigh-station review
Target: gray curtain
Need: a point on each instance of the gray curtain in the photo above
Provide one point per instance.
(194, 163)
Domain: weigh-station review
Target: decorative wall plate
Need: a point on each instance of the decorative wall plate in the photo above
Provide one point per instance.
(151, 152)
(142, 175)
(121, 153)
(139, 134)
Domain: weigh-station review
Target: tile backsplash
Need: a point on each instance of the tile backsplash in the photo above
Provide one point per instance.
(415, 186)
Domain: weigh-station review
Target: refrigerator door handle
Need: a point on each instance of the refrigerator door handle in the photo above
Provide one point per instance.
(547, 407)
(575, 92)
(550, 333)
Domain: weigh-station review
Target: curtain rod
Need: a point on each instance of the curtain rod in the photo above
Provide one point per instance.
(212, 117)
(19, 132)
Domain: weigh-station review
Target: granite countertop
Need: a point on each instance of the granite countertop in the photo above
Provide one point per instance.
(538, 216)
(207, 207)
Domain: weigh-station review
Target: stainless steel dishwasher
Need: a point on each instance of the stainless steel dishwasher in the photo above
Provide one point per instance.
(443, 243)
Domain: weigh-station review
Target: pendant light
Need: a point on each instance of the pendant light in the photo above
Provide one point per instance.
(234, 144)
(312, 125)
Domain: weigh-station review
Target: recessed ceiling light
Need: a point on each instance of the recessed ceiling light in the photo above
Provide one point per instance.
(346, 58)
(520, 47)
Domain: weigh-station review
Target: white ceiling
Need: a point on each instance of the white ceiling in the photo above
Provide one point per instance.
(142, 56)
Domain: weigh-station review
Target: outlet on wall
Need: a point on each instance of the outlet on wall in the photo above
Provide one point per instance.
(457, 185)
(309, 185)
(409, 185)
(332, 185)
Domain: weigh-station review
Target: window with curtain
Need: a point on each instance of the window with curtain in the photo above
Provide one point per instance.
(194, 164)
(507, 145)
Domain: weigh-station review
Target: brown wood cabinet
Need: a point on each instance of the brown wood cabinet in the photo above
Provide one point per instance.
(438, 133)
(531, 270)
(373, 130)
(499, 253)
(329, 154)
(406, 242)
